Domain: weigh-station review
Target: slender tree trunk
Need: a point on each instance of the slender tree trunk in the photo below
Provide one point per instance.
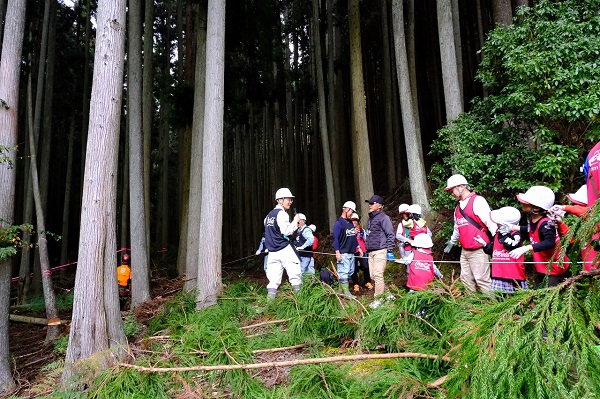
(36, 281)
(148, 108)
(329, 190)
(126, 193)
(140, 280)
(458, 46)
(85, 115)
(48, 286)
(64, 242)
(10, 68)
(387, 99)
(332, 81)
(414, 153)
(448, 57)
(412, 65)
(502, 11)
(96, 328)
(193, 233)
(360, 135)
(209, 258)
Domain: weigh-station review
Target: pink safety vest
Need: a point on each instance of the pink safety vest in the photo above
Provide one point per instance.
(593, 175)
(466, 229)
(420, 272)
(503, 266)
(543, 257)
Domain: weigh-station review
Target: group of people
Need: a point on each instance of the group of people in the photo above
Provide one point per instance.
(481, 232)
(356, 248)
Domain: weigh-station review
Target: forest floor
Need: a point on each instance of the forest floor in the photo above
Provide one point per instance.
(33, 356)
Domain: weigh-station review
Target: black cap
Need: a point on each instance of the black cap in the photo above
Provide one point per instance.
(375, 199)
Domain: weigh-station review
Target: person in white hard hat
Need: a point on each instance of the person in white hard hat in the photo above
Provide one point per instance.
(282, 256)
(471, 219)
(419, 262)
(544, 238)
(580, 201)
(508, 274)
(304, 241)
(345, 245)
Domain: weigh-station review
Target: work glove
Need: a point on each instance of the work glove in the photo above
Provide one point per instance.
(557, 211)
(480, 240)
(448, 247)
(257, 252)
(516, 253)
(506, 228)
(390, 256)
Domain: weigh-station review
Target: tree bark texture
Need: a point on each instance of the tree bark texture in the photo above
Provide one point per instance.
(387, 98)
(148, 108)
(64, 243)
(195, 201)
(47, 285)
(209, 258)
(502, 11)
(95, 331)
(140, 263)
(448, 57)
(10, 68)
(360, 136)
(414, 153)
(322, 112)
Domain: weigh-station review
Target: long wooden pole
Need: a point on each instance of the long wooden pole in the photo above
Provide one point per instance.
(253, 366)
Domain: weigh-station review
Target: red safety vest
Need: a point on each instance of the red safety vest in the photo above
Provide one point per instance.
(415, 230)
(420, 271)
(543, 257)
(466, 229)
(503, 266)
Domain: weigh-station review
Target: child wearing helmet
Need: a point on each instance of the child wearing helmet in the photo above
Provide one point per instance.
(508, 274)
(543, 234)
(412, 224)
(421, 269)
(362, 262)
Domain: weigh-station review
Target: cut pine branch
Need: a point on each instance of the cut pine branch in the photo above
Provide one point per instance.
(334, 359)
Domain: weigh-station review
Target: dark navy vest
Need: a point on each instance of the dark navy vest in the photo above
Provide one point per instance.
(274, 239)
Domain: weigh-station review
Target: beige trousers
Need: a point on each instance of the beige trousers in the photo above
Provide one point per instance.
(475, 270)
(377, 262)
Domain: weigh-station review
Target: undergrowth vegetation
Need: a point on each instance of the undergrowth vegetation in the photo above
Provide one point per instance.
(531, 344)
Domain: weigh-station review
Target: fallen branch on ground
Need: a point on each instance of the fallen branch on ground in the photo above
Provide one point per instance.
(348, 358)
(264, 323)
(35, 320)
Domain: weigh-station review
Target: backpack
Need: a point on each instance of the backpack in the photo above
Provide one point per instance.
(315, 243)
(326, 276)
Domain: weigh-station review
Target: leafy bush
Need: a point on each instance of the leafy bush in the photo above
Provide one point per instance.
(541, 116)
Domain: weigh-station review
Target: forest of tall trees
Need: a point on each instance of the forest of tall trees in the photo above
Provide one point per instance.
(168, 125)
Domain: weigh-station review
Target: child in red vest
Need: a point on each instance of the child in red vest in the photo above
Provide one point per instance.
(421, 269)
(507, 273)
(543, 234)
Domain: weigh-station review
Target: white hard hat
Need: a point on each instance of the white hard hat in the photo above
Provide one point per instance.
(414, 208)
(354, 216)
(349, 204)
(283, 193)
(455, 180)
(422, 241)
(403, 208)
(312, 227)
(301, 216)
(540, 196)
(580, 197)
(507, 214)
